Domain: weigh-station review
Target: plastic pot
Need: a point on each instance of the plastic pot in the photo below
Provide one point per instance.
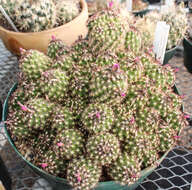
(187, 44)
(60, 183)
(169, 54)
(4, 176)
(68, 32)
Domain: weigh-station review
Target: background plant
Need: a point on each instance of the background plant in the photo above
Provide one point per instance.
(39, 15)
(175, 16)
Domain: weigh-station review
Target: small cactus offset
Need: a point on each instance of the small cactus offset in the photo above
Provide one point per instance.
(38, 112)
(33, 63)
(97, 118)
(126, 169)
(101, 109)
(51, 163)
(54, 84)
(103, 148)
(108, 85)
(54, 46)
(83, 174)
(68, 144)
(62, 119)
(106, 31)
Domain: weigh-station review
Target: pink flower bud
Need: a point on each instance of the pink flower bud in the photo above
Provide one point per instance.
(176, 69)
(167, 65)
(186, 116)
(60, 144)
(98, 115)
(176, 137)
(22, 50)
(116, 66)
(183, 96)
(78, 177)
(44, 165)
(123, 94)
(134, 176)
(150, 50)
(24, 108)
(132, 121)
(137, 60)
(53, 37)
(111, 4)
(46, 74)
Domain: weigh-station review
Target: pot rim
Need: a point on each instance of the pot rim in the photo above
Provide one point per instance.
(84, 9)
(188, 40)
(59, 179)
(169, 50)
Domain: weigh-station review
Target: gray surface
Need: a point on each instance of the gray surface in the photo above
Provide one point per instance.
(174, 173)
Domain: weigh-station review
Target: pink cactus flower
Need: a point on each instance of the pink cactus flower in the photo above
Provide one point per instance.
(24, 108)
(53, 37)
(60, 144)
(44, 165)
(98, 115)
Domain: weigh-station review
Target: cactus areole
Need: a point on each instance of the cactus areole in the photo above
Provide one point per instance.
(103, 109)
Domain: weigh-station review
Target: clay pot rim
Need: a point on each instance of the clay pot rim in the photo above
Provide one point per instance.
(84, 9)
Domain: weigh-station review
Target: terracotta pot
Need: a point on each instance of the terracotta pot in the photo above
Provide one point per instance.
(68, 32)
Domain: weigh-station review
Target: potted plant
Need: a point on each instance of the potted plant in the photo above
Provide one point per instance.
(174, 16)
(187, 44)
(101, 114)
(36, 21)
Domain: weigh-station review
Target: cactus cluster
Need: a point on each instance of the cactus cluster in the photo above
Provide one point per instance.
(103, 105)
(175, 16)
(39, 15)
